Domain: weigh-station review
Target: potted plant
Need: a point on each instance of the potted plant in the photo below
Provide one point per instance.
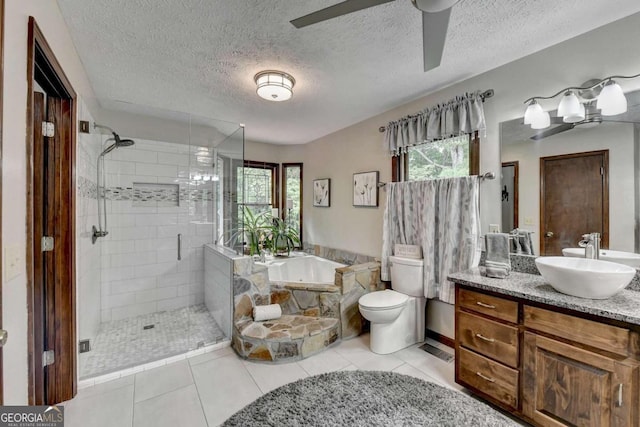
(282, 237)
(253, 231)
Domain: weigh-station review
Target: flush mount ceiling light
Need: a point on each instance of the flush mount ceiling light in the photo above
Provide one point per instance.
(609, 95)
(274, 85)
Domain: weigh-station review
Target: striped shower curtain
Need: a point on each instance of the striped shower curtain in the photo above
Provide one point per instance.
(443, 217)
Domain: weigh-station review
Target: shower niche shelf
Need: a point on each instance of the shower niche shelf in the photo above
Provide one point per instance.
(152, 194)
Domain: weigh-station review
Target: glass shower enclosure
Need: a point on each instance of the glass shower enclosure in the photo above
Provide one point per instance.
(162, 199)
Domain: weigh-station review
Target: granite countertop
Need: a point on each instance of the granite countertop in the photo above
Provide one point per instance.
(624, 306)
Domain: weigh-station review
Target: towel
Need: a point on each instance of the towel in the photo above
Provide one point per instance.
(266, 312)
(498, 263)
(521, 242)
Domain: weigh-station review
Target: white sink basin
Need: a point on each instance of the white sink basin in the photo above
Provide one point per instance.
(626, 258)
(585, 278)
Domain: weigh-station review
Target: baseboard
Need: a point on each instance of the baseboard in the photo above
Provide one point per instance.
(441, 338)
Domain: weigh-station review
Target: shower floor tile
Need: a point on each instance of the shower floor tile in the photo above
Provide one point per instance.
(125, 343)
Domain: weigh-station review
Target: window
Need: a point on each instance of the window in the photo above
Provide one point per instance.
(292, 196)
(257, 186)
(447, 158)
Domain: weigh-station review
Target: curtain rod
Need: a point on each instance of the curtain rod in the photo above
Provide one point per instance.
(487, 175)
(484, 95)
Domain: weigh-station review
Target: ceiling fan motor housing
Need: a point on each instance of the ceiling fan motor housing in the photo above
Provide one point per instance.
(433, 6)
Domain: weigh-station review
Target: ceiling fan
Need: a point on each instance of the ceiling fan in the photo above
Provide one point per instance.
(592, 118)
(435, 21)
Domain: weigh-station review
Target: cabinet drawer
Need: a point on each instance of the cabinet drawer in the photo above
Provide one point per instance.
(492, 378)
(588, 332)
(495, 340)
(499, 308)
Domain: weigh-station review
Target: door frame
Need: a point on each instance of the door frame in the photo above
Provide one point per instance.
(604, 238)
(1, 158)
(516, 188)
(41, 56)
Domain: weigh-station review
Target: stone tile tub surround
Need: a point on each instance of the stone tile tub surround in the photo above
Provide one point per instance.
(624, 306)
(527, 264)
(314, 315)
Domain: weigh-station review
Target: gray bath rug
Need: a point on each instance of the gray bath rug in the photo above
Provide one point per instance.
(366, 398)
(440, 354)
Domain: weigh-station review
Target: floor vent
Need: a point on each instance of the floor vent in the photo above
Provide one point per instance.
(440, 354)
(145, 327)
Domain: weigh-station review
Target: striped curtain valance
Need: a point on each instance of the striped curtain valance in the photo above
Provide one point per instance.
(462, 115)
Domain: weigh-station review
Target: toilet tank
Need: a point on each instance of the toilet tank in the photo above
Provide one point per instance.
(406, 276)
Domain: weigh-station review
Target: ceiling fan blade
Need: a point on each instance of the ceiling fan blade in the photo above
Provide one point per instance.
(336, 10)
(434, 34)
(553, 131)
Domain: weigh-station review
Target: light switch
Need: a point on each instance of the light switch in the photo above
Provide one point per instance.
(13, 262)
(528, 220)
(494, 228)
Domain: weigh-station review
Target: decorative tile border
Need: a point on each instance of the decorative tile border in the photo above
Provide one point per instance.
(141, 194)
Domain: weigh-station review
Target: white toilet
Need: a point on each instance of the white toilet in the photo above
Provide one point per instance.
(397, 316)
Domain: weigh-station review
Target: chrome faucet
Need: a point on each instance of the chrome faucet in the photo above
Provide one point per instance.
(591, 244)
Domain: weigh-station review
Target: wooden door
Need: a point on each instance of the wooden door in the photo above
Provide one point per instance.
(566, 385)
(574, 200)
(50, 213)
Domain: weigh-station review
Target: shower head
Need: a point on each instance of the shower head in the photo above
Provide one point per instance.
(125, 143)
(117, 143)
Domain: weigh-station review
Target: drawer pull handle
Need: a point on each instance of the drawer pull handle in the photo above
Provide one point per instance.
(484, 377)
(482, 337)
(620, 395)
(485, 305)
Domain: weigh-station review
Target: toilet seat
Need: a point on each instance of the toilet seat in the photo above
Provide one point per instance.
(383, 300)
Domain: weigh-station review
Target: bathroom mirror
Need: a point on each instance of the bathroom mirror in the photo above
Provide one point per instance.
(573, 180)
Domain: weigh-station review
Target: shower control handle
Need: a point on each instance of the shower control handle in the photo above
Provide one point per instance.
(179, 247)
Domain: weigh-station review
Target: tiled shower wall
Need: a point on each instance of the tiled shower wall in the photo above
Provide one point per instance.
(88, 256)
(141, 272)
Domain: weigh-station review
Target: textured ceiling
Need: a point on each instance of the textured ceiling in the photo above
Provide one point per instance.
(200, 56)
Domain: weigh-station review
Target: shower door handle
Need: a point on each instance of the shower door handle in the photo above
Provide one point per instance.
(179, 247)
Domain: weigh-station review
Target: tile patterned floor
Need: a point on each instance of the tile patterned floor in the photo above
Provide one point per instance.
(125, 343)
(205, 390)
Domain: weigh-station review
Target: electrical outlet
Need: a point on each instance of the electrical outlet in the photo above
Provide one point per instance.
(13, 262)
(528, 220)
(494, 228)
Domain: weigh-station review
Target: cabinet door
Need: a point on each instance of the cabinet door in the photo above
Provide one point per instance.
(567, 385)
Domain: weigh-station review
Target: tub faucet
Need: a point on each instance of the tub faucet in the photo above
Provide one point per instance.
(591, 244)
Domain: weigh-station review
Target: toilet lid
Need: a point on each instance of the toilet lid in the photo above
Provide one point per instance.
(383, 299)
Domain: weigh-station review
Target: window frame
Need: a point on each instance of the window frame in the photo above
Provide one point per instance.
(284, 193)
(400, 164)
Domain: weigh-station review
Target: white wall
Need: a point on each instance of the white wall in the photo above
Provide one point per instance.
(360, 147)
(618, 138)
(14, 170)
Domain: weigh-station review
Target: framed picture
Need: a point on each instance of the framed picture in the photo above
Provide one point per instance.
(322, 192)
(365, 189)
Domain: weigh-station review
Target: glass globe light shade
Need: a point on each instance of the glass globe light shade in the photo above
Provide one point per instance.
(611, 100)
(569, 105)
(541, 121)
(532, 111)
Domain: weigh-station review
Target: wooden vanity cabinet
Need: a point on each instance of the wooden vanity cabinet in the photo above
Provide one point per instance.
(545, 366)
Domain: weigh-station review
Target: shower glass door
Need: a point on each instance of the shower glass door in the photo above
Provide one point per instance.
(213, 144)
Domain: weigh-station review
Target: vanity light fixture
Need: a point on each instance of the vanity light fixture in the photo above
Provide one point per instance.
(610, 101)
(274, 85)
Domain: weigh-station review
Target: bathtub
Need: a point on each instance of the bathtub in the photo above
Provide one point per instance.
(303, 269)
